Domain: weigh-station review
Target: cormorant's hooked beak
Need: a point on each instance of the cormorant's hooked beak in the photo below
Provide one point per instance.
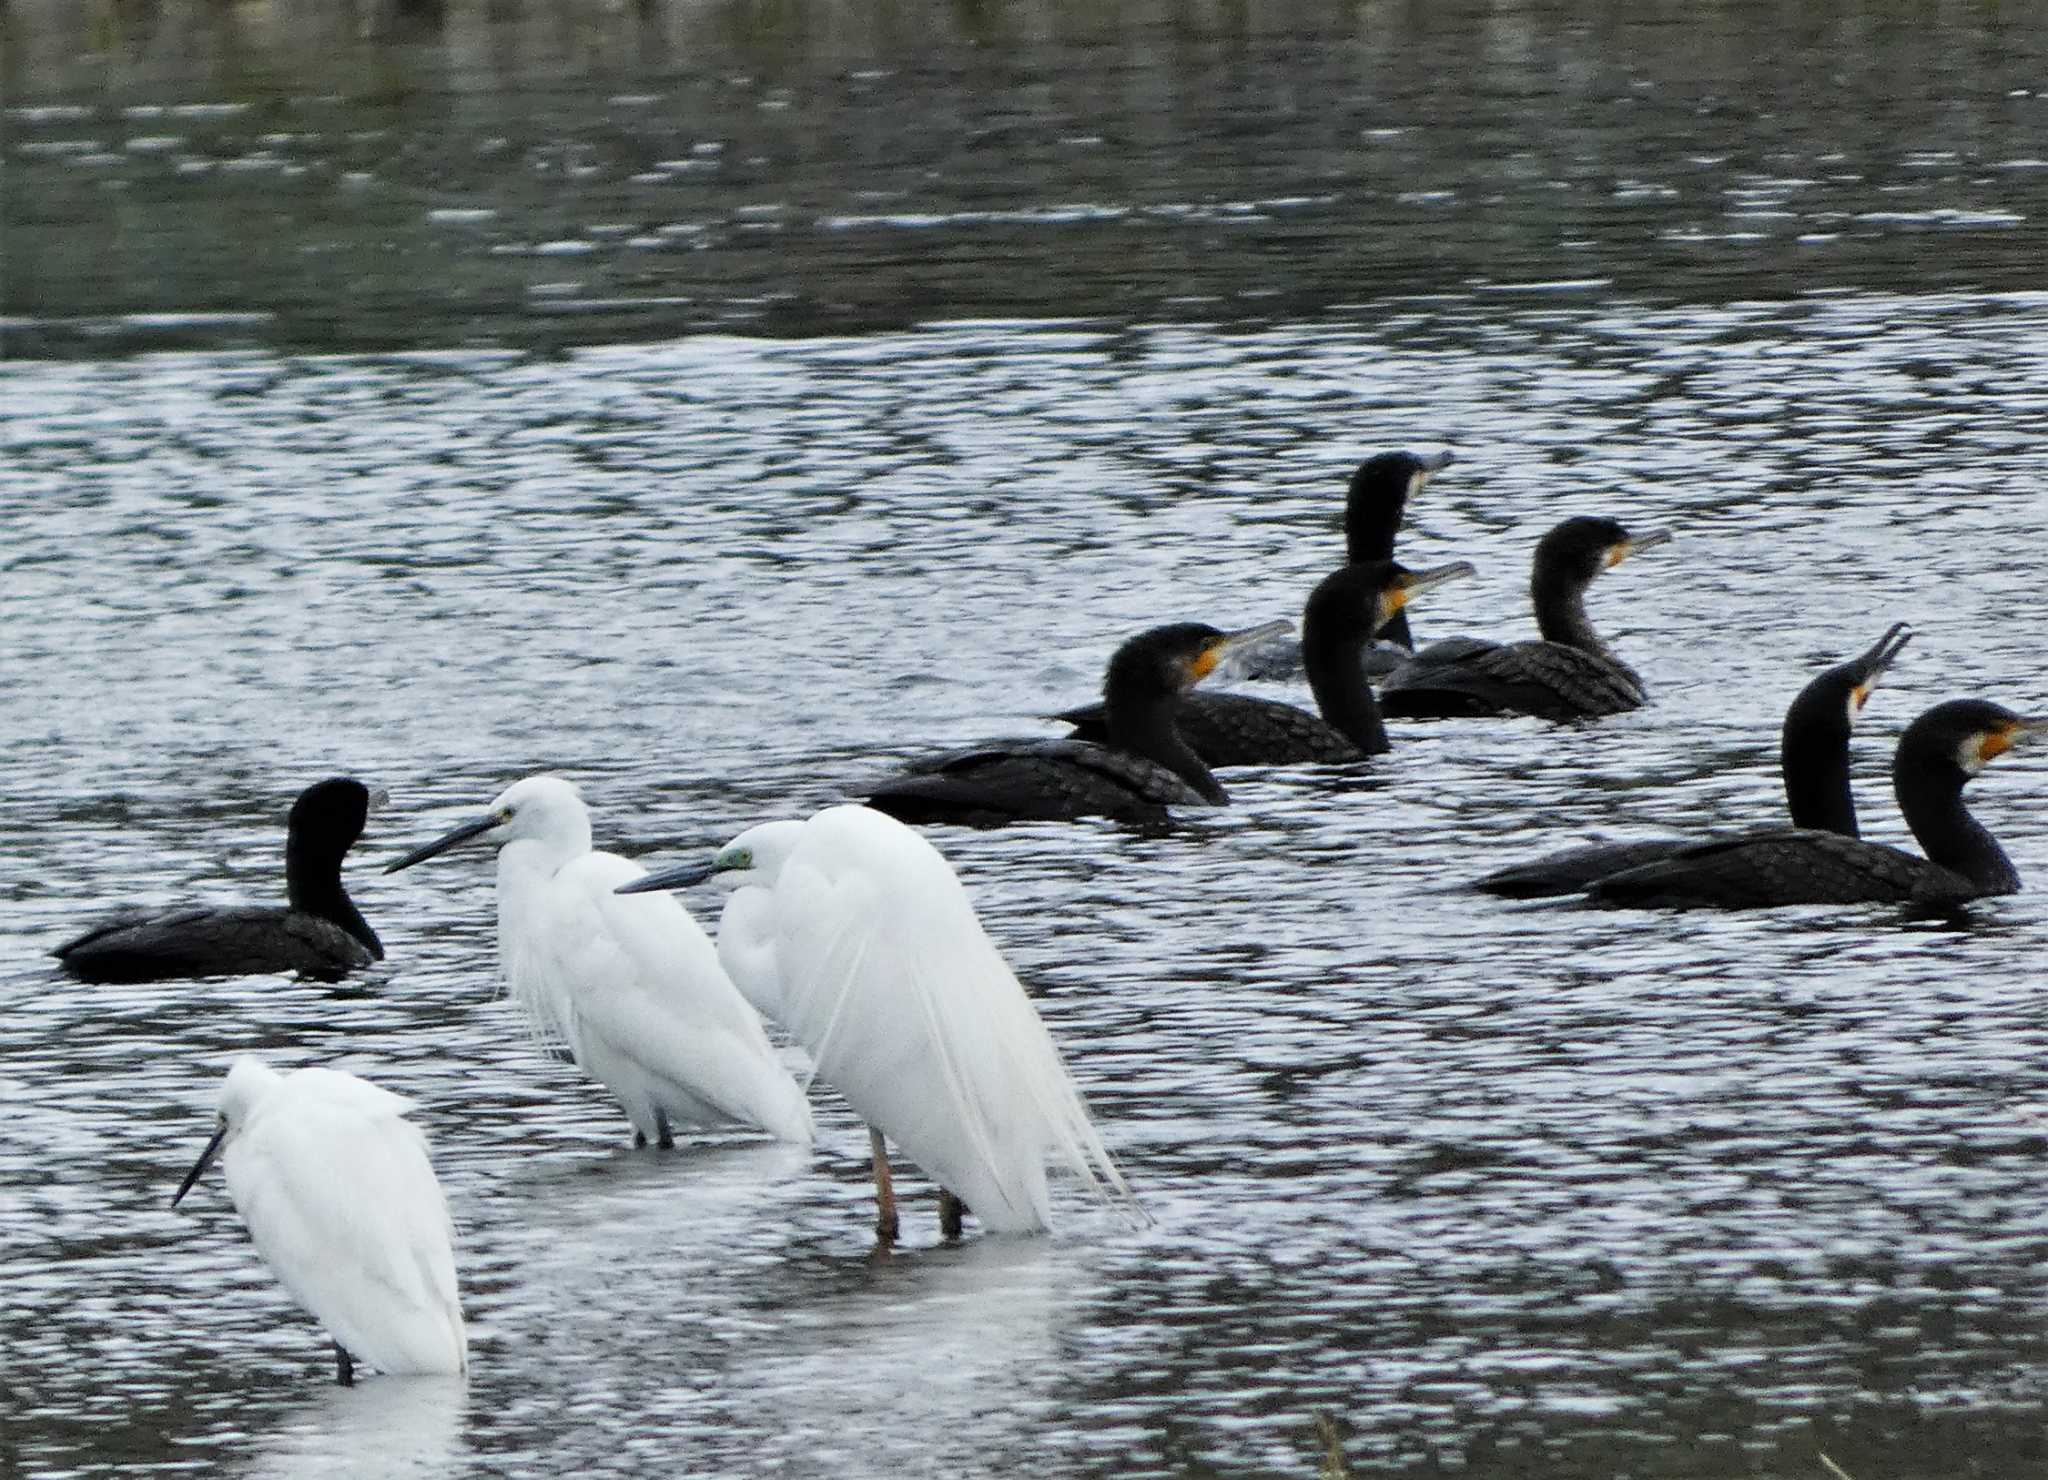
(199, 1167)
(1409, 582)
(1229, 644)
(682, 876)
(1881, 656)
(1635, 544)
(1433, 464)
(379, 797)
(475, 827)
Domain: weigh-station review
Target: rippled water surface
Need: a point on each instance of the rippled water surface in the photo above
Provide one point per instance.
(1502, 1190)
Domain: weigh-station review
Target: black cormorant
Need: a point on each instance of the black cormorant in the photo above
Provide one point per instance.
(319, 934)
(1813, 757)
(1373, 507)
(1144, 768)
(1337, 625)
(1569, 674)
(1938, 754)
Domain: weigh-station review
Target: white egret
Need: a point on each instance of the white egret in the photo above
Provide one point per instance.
(631, 987)
(342, 1204)
(882, 971)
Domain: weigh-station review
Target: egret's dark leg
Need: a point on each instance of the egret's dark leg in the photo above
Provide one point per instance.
(664, 1138)
(885, 1191)
(639, 1139)
(951, 1211)
(344, 1366)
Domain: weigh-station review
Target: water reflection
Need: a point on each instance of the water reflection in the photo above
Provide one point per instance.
(565, 175)
(372, 1431)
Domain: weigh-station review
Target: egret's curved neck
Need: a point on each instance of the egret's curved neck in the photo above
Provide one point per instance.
(312, 881)
(1143, 724)
(1336, 675)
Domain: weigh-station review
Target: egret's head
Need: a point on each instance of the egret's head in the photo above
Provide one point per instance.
(756, 856)
(545, 808)
(248, 1081)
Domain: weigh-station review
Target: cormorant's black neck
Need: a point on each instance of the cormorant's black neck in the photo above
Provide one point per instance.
(312, 876)
(1372, 517)
(1560, 602)
(1143, 724)
(1813, 755)
(1931, 798)
(1336, 673)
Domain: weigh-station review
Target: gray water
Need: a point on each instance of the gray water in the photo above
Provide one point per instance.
(1500, 1190)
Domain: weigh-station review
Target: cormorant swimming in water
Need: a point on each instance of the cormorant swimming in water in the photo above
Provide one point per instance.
(1813, 757)
(1144, 768)
(319, 934)
(1344, 611)
(1568, 674)
(1373, 507)
(1938, 754)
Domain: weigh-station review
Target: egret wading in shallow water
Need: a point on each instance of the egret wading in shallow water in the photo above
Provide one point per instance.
(631, 987)
(1568, 673)
(1142, 767)
(882, 971)
(342, 1204)
(318, 933)
(1337, 625)
(1813, 755)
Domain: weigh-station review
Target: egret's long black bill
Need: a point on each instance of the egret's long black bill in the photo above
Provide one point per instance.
(199, 1167)
(681, 877)
(442, 844)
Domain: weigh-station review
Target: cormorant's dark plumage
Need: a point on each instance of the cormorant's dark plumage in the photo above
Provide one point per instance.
(1143, 768)
(320, 933)
(1337, 627)
(1374, 504)
(1568, 674)
(1938, 754)
(1813, 756)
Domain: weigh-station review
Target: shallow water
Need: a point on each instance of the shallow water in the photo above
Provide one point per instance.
(1501, 1189)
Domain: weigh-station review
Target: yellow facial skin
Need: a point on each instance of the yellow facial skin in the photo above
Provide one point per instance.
(1995, 743)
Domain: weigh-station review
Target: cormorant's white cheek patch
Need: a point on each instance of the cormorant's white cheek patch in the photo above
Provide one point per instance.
(1975, 753)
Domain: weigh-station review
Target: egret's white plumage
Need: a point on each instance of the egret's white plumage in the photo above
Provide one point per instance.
(342, 1204)
(746, 928)
(882, 971)
(631, 986)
